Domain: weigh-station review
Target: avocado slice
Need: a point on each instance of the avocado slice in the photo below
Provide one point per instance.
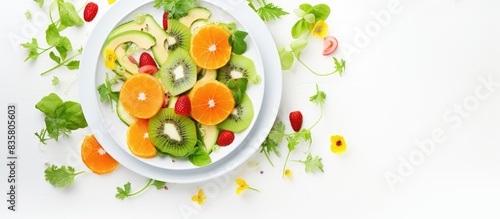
(142, 39)
(194, 14)
(150, 26)
(210, 134)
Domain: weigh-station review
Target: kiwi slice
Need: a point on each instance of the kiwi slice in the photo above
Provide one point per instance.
(178, 36)
(178, 74)
(171, 133)
(240, 118)
(238, 66)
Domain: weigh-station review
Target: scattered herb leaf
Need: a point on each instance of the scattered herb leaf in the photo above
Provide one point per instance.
(60, 176)
(238, 88)
(175, 8)
(126, 191)
(55, 81)
(27, 14)
(106, 92)
(312, 164)
(267, 11)
(40, 3)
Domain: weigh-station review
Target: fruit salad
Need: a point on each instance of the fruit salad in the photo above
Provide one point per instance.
(183, 91)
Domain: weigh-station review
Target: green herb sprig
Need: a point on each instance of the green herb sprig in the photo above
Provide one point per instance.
(60, 117)
(175, 8)
(106, 92)
(126, 191)
(267, 11)
(61, 176)
(277, 134)
(68, 17)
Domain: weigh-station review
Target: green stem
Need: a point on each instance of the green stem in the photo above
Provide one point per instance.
(143, 188)
(284, 166)
(320, 116)
(312, 71)
(60, 64)
(254, 189)
(268, 158)
(76, 174)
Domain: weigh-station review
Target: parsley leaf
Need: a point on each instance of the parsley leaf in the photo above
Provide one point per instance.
(319, 97)
(267, 11)
(60, 177)
(175, 8)
(60, 117)
(271, 143)
(106, 92)
(312, 164)
(55, 81)
(27, 14)
(126, 191)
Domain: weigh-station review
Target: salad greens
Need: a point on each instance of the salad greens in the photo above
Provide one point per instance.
(309, 16)
(60, 117)
(267, 11)
(312, 164)
(61, 176)
(106, 92)
(175, 8)
(126, 191)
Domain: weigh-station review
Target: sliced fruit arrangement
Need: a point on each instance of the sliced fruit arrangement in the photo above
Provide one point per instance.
(182, 93)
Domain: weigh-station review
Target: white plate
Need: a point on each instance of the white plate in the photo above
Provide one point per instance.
(109, 130)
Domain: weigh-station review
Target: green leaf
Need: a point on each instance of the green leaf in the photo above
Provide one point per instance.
(159, 184)
(270, 12)
(52, 35)
(63, 47)
(312, 164)
(200, 157)
(176, 8)
(27, 14)
(319, 97)
(49, 103)
(237, 41)
(55, 81)
(33, 46)
(297, 46)
(339, 65)
(293, 141)
(286, 58)
(60, 177)
(54, 57)
(75, 64)
(238, 88)
(68, 15)
(277, 132)
(71, 112)
(106, 92)
(124, 192)
(299, 28)
(307, 8)
(321, 11)
(40, 3)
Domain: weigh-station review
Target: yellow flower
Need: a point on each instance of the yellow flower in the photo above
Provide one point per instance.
(200, 197)
(320, 30)
(242, 185)
(338, 144)
(110, 59)
(288, 173)
(111, 1)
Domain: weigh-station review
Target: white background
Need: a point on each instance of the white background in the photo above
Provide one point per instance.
(402, 83)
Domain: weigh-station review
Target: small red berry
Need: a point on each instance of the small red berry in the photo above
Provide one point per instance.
(165, 21)
(146, 59)
(225, 138)
(90, 11)
(296, 120)
(148, 69)
(183, 105)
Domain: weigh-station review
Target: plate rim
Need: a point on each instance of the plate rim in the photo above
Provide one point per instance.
(261, 127)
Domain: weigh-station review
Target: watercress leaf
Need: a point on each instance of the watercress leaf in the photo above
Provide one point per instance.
(240, 34)
(75, 64)
(200, 158)
(319, 97)
(52, 35)
(33, 46)
(159, 184)
(286, 58)
(321, 11)
(299, 28)
(239, 46)
(54, 57)
(68, 15)
(49, 103)
(73, 115)
(40, 3)
(306, 8)
(297, 46)
(60, 177)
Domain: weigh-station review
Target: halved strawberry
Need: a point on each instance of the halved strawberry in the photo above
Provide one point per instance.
(146, 59)
(183, 105)
(148, 69)
(225, 138)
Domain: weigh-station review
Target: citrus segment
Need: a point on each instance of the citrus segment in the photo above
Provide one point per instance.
(138, 140)
(210, 47)
(95, 157)
(211, 102)
(142, 96)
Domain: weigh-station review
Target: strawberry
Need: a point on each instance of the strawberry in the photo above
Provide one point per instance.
(165, 21)
(225, 138)
(148, 69)
(183, 105)
(90, 11)
(146, 59)
(296, 120)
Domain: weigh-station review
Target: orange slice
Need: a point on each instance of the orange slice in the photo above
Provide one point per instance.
(138, 140)
(142, 96)
(211, 102)
(210, 47)
(96, 158)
